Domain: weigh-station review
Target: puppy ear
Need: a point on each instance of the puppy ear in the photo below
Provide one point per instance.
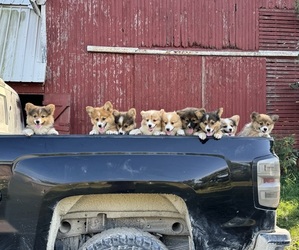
(236, 119)
(29, 106)
(162, 111)
(132, 112)
(115, 112)
(254, 115)
(108, 106)
(50, 108)
(199, 113)
(89, 109)
(219, 112)
(274, 118)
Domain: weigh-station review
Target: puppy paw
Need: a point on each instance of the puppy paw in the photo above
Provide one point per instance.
(111, 132)
(180, 132)
(28, 132)
(162, 133)
(53, 132)
(135, 132)
(202, 136)
(157, 133)
(93, 132)
(218, 135)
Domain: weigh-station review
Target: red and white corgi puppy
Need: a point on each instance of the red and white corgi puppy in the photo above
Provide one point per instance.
(171, 124)
(261, 125)
(102, 119)
(151, 123)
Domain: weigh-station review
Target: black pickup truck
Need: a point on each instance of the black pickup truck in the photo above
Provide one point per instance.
(139, 192)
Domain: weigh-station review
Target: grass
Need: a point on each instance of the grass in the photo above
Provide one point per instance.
(288, 212)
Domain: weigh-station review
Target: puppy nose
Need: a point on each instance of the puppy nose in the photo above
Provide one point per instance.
(150, 125)
(167, 129)
(37, 121)
(265, 129)
(121, 133)
(209, 130)
(100, 125)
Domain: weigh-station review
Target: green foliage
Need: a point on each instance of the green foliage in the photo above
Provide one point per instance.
(288, 212)
(284, 148)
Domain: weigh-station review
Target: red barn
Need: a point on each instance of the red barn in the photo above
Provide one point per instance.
(150, 54)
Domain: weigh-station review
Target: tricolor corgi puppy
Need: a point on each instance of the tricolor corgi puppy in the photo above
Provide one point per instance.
(190, 122)
(151, 123)
(210, 124)
(261, 125)
(229, 126)
(102, 119)
(125, 121)
(40, 120)
(171, 124)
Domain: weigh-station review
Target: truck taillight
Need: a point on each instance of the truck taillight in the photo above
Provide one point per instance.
(268, 182)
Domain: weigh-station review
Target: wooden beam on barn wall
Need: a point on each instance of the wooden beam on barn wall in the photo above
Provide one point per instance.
(132, 50)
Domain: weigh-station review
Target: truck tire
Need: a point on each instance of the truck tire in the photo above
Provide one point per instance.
(123, 238)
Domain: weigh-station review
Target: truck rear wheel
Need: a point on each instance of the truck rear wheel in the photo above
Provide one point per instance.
(123, 238)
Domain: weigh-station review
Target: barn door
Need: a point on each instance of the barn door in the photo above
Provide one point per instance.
(62, 111)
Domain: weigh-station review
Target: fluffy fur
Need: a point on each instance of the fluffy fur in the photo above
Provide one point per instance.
(151, 123)
(102, 119)
(229, 126)
(261, 125)
(40, 120)
(125, 121)
(210, 124)
(171, 124)
(190, 121)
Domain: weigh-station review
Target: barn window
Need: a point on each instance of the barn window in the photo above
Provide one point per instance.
(22, 41)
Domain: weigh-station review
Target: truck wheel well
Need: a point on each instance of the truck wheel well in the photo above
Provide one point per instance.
(155, 213)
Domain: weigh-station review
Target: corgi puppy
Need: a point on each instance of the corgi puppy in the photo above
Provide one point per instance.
(229, 126)
(102, 119)
(261, 125)
(210, 124)
(40, 120)
(190, 122)
(171, 124)
(125, 121)
(151, 123)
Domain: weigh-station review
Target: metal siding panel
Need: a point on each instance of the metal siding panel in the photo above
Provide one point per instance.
(278, 29)
(21, 46)
(281, 98)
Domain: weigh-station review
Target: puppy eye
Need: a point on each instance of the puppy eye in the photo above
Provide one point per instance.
(43, 116)
(206, 123)
(172, 123)
(126, 126)
(193, 120)
(35, 116)
(225, 126)
(154, 120)
(97, 119)
(268, 124)
(261, 123)
(212, 122)
(147, 120)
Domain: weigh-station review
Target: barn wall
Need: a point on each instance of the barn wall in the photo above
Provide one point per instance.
(240, 85)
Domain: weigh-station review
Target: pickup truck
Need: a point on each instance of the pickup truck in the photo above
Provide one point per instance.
(139, 192)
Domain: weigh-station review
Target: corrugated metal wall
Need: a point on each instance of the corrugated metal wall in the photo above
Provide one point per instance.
(22, 43)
